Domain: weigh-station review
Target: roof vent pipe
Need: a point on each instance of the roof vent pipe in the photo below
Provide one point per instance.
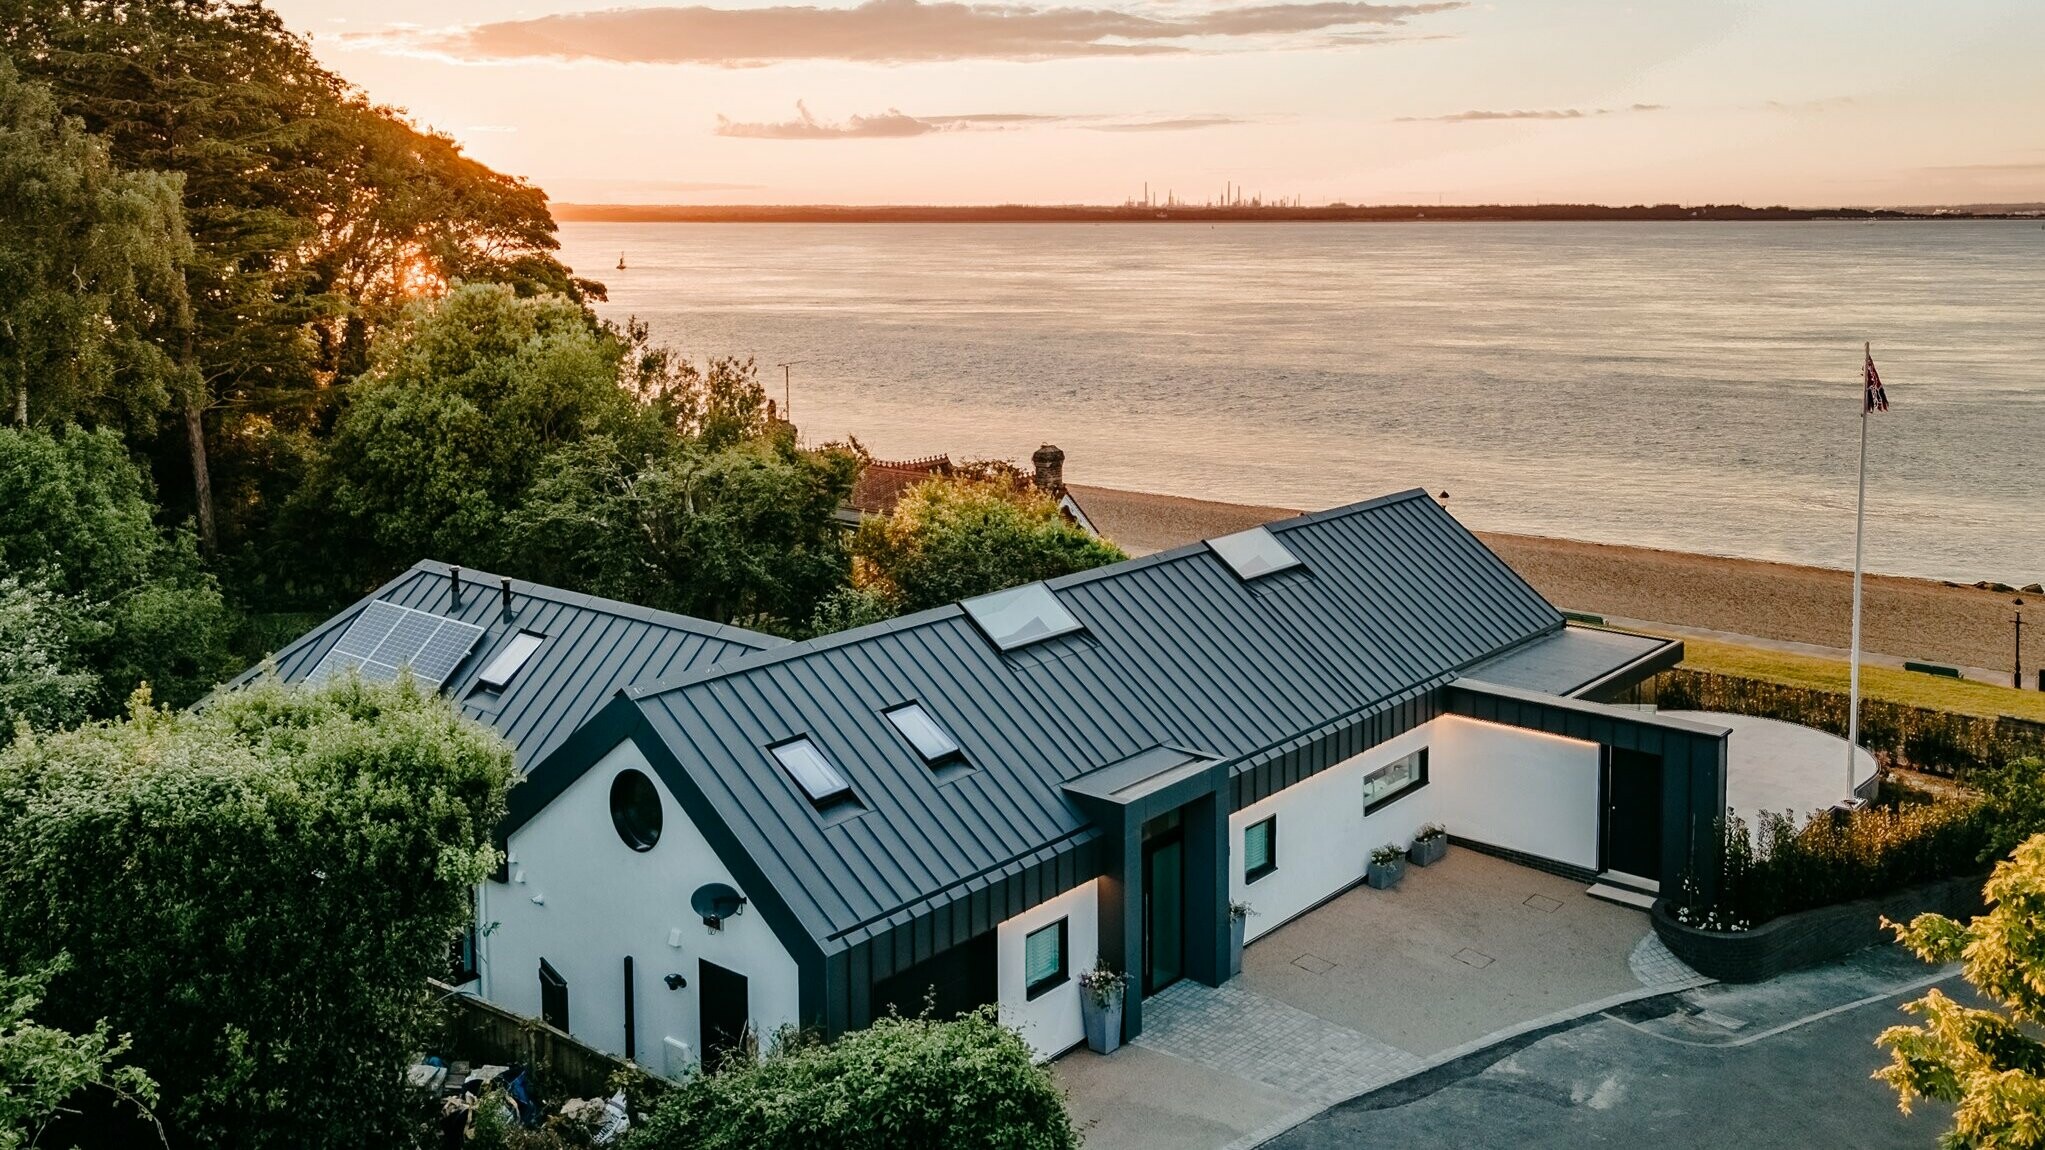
(507, 598)
(454, 580)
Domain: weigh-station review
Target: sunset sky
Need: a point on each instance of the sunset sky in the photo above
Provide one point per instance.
(1804, 102)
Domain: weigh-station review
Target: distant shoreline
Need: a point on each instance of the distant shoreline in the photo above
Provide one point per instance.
(1906, 618)
(1382, 213)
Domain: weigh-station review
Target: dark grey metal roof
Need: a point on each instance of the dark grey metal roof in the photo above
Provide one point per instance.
(1566, 661)
(1176, 651)
(592, 648)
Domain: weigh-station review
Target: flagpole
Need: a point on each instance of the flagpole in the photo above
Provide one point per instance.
(1859, 533)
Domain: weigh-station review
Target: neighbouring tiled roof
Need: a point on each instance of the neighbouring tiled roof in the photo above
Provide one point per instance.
(881, 483)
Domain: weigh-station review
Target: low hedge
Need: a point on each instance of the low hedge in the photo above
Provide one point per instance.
(900, 1082)
(1780, 868)
(1936, 742)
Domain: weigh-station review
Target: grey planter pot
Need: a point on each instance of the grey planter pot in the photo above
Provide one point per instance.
(1235, 944)
(1427, 852)
(1103, 1023)
(1384, 876)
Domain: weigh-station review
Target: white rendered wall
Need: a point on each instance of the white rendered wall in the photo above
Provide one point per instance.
(1498, 785)
(1324, 838)
(1049, 1023)
(1516, 788)
(603, 901)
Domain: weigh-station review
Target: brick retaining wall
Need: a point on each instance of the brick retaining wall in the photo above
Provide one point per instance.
(1812, 936)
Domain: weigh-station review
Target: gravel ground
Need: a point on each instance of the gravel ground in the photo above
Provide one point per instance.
(1909, 618)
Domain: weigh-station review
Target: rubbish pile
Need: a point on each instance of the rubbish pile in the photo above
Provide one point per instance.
(511, 1096)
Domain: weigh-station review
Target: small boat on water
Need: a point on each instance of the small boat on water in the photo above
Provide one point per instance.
(621, 261)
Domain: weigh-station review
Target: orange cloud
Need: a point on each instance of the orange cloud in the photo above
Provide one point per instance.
(889, 31)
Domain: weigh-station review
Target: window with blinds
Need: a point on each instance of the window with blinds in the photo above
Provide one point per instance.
(1044, 958)
(1260, 849)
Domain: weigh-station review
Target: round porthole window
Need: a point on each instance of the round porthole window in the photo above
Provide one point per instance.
(635, 810)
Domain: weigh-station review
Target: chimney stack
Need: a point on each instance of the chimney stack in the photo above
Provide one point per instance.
(507, 598)
(454, 580)
(1050, 464)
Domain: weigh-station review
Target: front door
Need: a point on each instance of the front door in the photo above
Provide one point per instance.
(725, 1013)
(1164, 910)
(1633, 813)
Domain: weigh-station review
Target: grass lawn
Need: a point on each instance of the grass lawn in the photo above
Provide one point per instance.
(1961, 695)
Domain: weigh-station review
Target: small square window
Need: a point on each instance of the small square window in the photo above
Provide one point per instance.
(811, 770)
(1260, 849)
(1394, 780)
(923, 733)
(1044, 959)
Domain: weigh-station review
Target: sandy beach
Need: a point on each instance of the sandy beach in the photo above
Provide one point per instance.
(1906, 618)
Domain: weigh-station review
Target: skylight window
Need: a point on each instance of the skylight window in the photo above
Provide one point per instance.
(1021, 615)
(811, 770)
(510, 660)
(923, 733)
(1253, 554)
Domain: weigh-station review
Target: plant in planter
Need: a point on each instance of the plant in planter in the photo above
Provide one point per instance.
(1238, 916)
(1100, 1007)
(1430, 843)
(1387, 867)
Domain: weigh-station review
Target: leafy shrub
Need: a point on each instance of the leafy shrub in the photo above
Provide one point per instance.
(900, 1082)
(43, 1069)
(77, 521)
(1779, 867)
(1911, 837)
(256, 893)
(952, 539)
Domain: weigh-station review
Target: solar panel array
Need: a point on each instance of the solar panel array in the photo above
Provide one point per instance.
(385, 637)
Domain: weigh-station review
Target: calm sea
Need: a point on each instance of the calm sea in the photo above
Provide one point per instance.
(1684, 386)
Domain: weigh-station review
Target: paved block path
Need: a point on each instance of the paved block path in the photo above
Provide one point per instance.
(1246, 1034)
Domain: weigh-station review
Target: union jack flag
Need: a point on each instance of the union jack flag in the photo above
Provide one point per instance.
(1876, 399)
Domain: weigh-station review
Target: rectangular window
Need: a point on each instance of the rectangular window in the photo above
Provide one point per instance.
(1394, 779)
(1020, 616)
(510, 660)
(1253, 554)
(923, 733)
(811, 770)
(1044, 959)
(1260, 849)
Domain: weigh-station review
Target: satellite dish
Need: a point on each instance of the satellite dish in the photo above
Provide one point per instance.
(716, 902)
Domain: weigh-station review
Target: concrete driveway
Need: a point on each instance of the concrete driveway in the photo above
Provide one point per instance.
(1784, 1063)
(1370, 988)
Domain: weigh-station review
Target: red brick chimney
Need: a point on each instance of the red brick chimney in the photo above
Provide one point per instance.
(1050, 464)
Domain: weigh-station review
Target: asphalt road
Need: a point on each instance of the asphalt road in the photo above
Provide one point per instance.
(1723, 1067)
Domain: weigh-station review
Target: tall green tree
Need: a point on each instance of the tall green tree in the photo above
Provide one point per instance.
(92, 264)
(952, 539)
(447, 430)
(257, 893)
(1987, 1062)
(315, 214)
(744, 533)
(77, 521)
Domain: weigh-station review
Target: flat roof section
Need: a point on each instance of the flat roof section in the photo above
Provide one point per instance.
(1572, 659)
